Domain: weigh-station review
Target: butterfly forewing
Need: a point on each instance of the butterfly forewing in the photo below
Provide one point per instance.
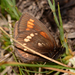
(38, 26)
(33, 34)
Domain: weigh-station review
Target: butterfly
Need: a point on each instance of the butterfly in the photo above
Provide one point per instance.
(32, 33)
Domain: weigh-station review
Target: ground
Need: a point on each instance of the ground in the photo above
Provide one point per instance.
(41, 10)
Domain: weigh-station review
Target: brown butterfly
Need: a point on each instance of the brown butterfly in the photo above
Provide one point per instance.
(32, 33)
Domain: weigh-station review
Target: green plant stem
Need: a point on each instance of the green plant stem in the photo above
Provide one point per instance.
(59, 24)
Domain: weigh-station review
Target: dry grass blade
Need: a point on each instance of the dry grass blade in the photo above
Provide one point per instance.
(6, 70)
(50, 59)
(10, 30)
(5, 57)
(59, 70)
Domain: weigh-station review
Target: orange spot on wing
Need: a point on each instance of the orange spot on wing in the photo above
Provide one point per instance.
(29, 26)
(44, 34)
(31, 20)
(27, 29)
(30, 23)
